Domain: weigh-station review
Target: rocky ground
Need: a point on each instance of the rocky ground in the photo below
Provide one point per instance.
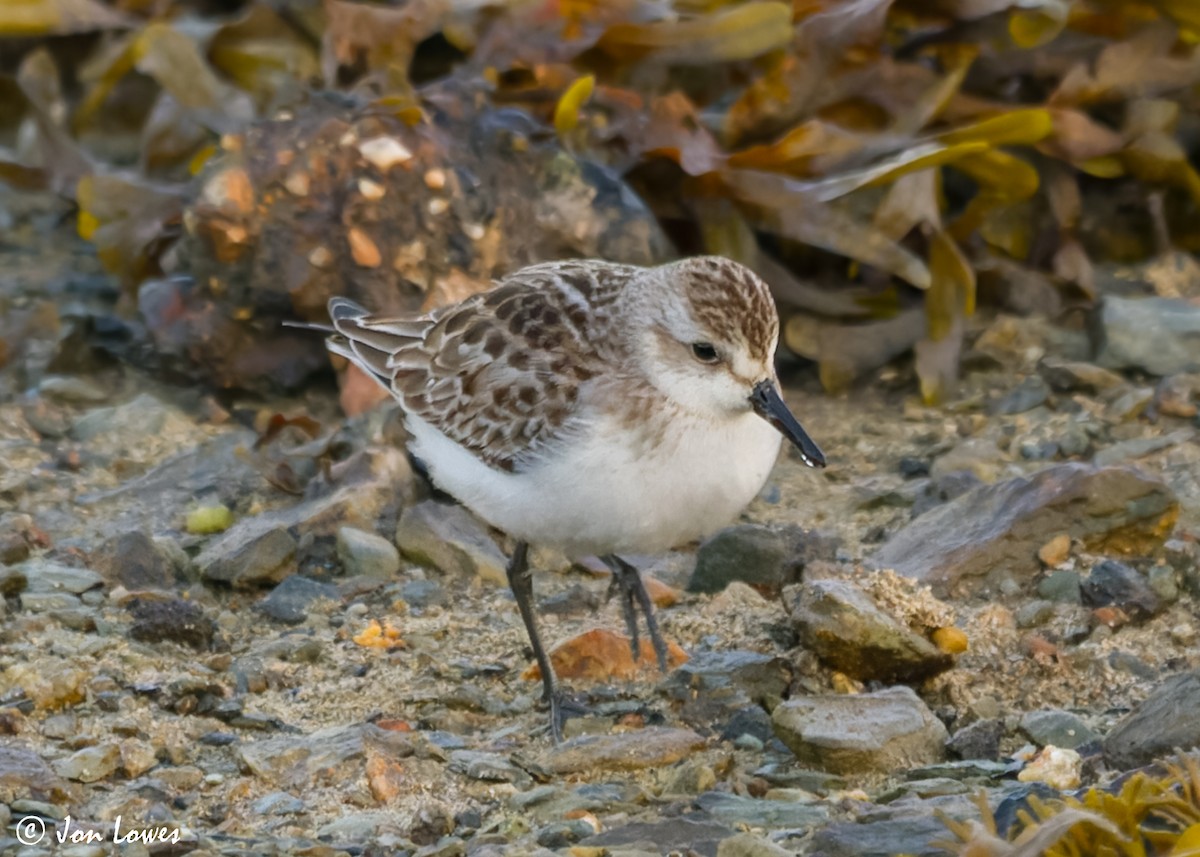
(248, 621)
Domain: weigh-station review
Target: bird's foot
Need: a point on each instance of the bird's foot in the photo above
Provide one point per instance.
(563, 705)
(627, 584)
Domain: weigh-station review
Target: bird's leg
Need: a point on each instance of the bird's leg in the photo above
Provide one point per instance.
(622, 587)
(629, 584)
(520, 580)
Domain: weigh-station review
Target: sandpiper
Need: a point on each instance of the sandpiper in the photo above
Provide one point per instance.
(598, 408)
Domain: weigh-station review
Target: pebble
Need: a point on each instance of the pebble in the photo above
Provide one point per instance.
(1034, 613)
(278, 803)
(759, 812)
(942, 489)
(293, 599)
(1056, 551)
(72, 389)
(171, 620)
(664, 836)
(979, 740)
(424, 593)
(132, 422)
(1056, 767)
(1155, 727)
(880, 732)
(1163, 580)
(749, 845)
(642, 748)
(135, 560)
(50, 688)
(962, 547)
(764, 556)
(1069, 376)
(489, 767)
(1160, 336)
(452, 540)
(22, 772)
(367, 554)
(253, 553)
(845, 629)
(47, 576)
(1117, 584)
(1063, 586)
(1027, 395)
(1054, 727)
(90, 764)
(882, 837)
(207, 520)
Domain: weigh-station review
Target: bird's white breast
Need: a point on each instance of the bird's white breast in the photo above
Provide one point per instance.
(602, 491)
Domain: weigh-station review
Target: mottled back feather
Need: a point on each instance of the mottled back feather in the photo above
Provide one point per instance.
(502, 372)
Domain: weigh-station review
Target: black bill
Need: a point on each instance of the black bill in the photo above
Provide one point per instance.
(768, 405)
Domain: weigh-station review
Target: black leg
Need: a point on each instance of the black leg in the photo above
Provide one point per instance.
(632, 590)
(520, 580)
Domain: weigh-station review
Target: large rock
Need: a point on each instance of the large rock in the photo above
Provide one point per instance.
(1156, 335)
(959, 548)
(865, 733)
(1165, 722)
(846, 630)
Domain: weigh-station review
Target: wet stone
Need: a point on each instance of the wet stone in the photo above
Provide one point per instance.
(291, 600)
(749, 845)
(1057, 728)
(1117, 584)
(452, 540)
(845, 629)
(1155, 728)
(367, 554)
(763, 556)
(171, 620)
(879, 732)
(961, 547)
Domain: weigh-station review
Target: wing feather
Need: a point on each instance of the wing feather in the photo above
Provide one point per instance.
(499, 373)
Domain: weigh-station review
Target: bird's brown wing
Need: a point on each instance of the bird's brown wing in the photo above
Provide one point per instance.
(501, 372)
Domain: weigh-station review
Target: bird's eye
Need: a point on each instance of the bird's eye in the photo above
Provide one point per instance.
(705, 352)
